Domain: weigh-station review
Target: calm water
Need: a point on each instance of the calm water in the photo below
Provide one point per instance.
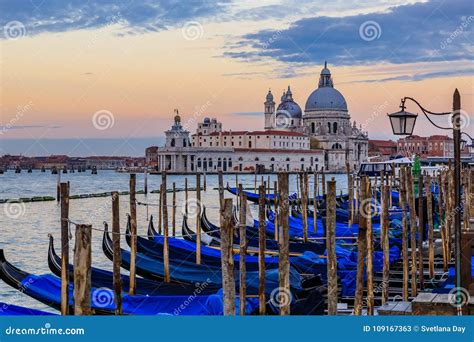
(24, 233)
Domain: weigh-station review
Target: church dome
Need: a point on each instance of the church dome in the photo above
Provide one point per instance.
(326, 97)
(288, 107)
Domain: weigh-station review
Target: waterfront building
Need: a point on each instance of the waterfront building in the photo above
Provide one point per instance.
(320, 138)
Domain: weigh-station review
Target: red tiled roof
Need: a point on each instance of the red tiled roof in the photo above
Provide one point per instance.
(270, 150)
(268, 132)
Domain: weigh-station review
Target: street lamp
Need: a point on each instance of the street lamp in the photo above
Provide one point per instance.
(402, 124)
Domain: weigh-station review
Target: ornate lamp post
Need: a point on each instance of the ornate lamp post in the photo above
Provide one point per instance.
(402, 124)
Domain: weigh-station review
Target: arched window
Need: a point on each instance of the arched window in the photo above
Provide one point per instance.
(329, 127)
(336, 146)
(241, 159)
(313, 127)
(256, 159)
(334, 127)
(287, 159)
(302, 159)
(272, 159)
(172, 142)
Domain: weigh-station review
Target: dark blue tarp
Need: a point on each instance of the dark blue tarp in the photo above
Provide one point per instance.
(48, 288)
(14, 310)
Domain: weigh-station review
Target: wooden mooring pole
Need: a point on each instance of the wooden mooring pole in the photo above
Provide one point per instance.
(82, 270)
(283, 255)
(198, 218)
(227, 258)
(385, 243)
(361, 246)
(405, 257)
(117, 258)
(243, 249)
(261, 249)
(369, 254)
(411, 204)
(64, 187)
(276, 201)
(186, 196)
(421, 228)
(133, 238)
(304, 203)
(331, 247)
(166, 253)
(315, 202)
(429, 208)
(173, 211)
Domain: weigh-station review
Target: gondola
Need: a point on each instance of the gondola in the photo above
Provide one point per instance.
(309, 263)
(103, 278)
(253, 197)
(181, 249)
(187, 271)
(47, 289)
(252, 238)
(15, 310)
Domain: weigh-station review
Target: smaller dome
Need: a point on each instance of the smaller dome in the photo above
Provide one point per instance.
(207, 120)
(289, 109)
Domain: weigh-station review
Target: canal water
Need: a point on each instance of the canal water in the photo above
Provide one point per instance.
(24, 227)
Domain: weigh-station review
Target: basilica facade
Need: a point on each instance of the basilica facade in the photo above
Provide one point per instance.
(320, 138)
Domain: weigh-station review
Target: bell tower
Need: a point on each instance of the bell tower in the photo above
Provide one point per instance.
(269, 110)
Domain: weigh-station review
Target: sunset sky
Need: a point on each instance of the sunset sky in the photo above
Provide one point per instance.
(89, 70)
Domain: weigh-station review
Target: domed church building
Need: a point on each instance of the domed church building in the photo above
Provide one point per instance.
(326, 121)
(321, 138)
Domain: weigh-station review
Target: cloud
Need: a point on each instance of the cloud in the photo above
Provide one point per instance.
(136, 16)
(422, 32)
(248, 113)
(422, 76)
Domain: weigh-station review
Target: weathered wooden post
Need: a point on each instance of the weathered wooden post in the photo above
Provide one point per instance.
(304, 203)
(261, 249)
(276, 201)
(385, 243)
(350, 193)
(117, 258)
(227, 259)
(82, 270)
(411, 204)
(198, 218)
(173, 211)
(166, 254)
(429, 207)
(64, 187)
(421, 228)
(403, 205)
(58, 187)
(186, 196)
(331, 247)
(133, 238)
(315, 203)
(145, 183)
(243, 249)
(361, 246)
(323, 182)
(255, 182)
(369, 256)
(442, 225)
(160, 210)
(221, 190)
(283, 255)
